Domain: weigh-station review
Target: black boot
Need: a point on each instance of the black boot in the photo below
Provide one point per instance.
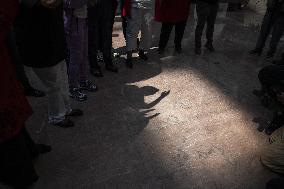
(209, 46)
(129, 63)
(142, 55)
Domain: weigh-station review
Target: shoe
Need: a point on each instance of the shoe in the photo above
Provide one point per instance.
(88, 86)
(129, 63)
(178, 50)
(111, 68)
(96, 72)
(66, 123)
(210, 47)
(77, 94)
(142, 55)
(34, 92)
(256, 51)
(270, 54)
(198, 51)
(75, 113)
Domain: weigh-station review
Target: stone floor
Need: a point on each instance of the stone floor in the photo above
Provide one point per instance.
(174, 122)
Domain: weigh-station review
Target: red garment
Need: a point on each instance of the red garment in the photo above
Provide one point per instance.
(171, 11)
(126, 10)
(14, 108)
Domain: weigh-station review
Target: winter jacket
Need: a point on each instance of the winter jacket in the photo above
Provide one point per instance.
(172, 11)
(40, 34)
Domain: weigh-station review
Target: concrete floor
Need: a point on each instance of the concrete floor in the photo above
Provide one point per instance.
(135, 135)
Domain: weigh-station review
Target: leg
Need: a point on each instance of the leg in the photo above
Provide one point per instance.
(277, 33)
(211, 19)
(75, 46)
(132, 31)
(165, 35)
(179, 32)
(94, 39)
(266, 26)
(51, 80)
(133, 28)
(146, 30)
(106, 26)
(16, 166)
(202, 13)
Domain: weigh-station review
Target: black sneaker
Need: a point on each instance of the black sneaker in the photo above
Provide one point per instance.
(88, 86)
(66, 123)
(210, 47)
(75, 113)
(129, 63)
(77, 94)
(256, 51)
(142, 55)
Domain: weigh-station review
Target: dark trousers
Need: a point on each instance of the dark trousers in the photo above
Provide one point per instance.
(207, 14)
(17, 61)
(166, 32)
(272, 21)
(271, 78)
(16, 160)
(100, 22)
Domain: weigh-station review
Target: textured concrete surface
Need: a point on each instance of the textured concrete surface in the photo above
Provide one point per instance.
(135, 134)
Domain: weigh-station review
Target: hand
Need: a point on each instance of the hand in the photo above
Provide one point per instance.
(165, 93)
(280, 98)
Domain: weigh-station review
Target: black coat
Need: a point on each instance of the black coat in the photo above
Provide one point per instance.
(40, 35)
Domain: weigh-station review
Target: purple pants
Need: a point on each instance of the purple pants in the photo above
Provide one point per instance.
(77, 40)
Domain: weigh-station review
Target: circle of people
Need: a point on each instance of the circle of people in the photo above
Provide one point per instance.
(57, 39)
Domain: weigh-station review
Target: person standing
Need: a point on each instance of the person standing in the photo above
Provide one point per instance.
(42, 46)
(207, 11)
(17, 149)
(172, 13)
(100, 22)
(273, 20)
(76, 13)
(139, 15)
(20, 70)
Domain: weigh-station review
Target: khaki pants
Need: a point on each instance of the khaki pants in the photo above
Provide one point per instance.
(273, 158)
(55, 81)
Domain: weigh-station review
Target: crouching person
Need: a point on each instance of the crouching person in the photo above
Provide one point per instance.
(273, 157)
(139, 15)
(41, 40)
(76, 13)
